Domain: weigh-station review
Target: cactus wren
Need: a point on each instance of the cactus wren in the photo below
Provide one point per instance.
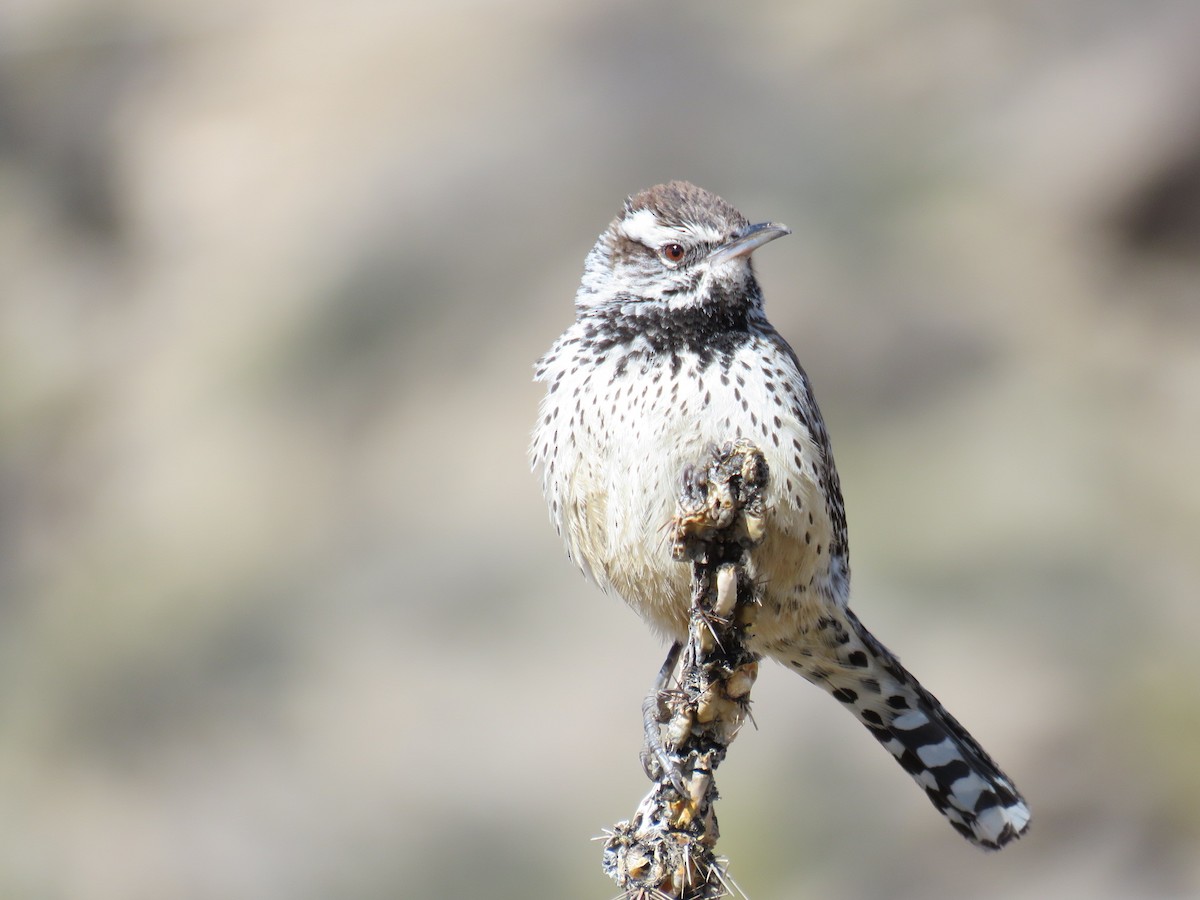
(670, 353)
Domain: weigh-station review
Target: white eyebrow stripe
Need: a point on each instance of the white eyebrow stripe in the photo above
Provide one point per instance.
(705, 234)
(645, 228)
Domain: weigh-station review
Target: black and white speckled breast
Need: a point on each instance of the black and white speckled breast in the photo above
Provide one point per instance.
(632, 400)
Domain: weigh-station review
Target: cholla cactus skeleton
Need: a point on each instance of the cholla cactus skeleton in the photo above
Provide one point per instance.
(668, 849)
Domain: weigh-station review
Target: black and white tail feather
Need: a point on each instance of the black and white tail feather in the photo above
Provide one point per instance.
(956, 773)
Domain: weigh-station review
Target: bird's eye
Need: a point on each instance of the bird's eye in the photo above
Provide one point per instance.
(671, 253)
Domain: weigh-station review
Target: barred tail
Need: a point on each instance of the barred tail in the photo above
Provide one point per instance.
(964, 783)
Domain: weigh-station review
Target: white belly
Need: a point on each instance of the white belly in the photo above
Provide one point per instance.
(614, 490)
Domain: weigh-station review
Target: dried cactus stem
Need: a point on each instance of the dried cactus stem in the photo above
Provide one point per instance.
(667, 851)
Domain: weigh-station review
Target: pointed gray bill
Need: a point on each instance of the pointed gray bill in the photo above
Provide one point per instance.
(748, 241)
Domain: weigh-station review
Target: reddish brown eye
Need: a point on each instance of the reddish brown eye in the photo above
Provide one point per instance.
(672, 253)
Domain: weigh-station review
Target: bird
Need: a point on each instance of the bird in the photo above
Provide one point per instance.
(671, 353)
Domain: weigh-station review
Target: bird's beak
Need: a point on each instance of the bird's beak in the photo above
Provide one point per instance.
(748, 241)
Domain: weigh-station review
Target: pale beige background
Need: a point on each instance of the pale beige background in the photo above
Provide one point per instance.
(281, 613)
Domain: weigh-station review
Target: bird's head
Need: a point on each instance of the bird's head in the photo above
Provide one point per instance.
(674, 246)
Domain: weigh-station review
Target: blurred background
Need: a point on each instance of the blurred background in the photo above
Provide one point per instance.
(281, 613)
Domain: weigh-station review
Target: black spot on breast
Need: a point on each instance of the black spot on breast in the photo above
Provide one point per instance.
(713, 332)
